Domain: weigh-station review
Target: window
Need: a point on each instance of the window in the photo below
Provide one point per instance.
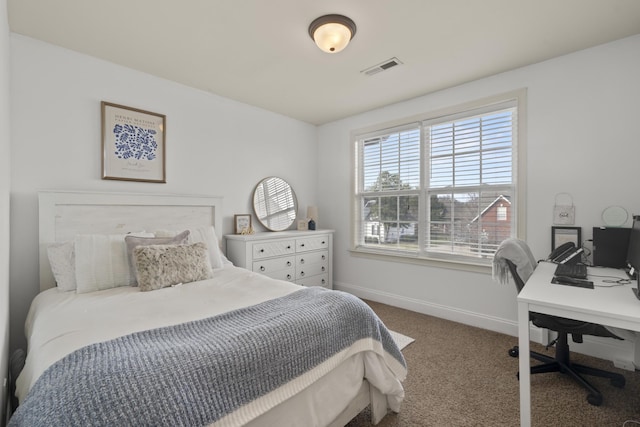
(443, 187)
(502, 213)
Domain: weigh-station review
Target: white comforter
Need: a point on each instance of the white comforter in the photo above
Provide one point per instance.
(61, 322)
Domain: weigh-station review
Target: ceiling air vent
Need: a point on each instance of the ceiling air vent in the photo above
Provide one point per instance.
(390, 63)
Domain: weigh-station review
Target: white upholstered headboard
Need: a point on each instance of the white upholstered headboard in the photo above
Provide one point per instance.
(63, 214)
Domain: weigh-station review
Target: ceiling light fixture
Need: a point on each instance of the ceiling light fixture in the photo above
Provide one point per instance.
(332, 33)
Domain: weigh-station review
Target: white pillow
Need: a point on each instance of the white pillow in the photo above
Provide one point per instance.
(225, 260)
(206, 235)
(63, 265)
(102, 262)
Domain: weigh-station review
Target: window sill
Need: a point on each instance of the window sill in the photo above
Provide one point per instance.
(479, 267)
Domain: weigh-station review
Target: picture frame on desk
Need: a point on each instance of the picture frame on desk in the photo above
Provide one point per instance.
(241, 223)
(561, 235)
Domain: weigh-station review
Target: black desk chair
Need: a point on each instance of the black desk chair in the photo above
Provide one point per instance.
(561, 362)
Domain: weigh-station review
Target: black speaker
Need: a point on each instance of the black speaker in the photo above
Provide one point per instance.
(610, 246)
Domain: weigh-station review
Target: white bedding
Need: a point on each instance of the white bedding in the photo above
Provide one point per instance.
(61, 322)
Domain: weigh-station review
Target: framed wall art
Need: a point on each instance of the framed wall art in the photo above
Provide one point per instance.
(562, 235)
(133, 144)
(242, 223)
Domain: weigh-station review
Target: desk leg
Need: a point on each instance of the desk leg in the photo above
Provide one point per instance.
(525, 373)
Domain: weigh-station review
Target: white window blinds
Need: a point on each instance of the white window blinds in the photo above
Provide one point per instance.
(440, 188)
(390, 186)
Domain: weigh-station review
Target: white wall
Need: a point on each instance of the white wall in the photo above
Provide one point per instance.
(582, 139)
(214, 146)
(4, 203)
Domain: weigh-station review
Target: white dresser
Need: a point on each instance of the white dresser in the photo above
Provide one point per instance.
(302, 257)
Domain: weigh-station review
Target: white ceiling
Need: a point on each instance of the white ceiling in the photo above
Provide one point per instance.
(259, 51)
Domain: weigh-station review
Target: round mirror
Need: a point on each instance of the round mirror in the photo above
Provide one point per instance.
(275, 204)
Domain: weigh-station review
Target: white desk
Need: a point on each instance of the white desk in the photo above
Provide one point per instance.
(612, 306)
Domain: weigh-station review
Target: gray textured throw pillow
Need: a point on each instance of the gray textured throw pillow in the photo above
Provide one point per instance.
(159, 266)
(134, 241)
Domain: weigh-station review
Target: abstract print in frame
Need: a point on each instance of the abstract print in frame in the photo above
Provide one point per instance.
(133, 144)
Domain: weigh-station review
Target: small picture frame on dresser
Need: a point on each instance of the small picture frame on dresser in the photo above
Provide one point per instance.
(303, 225)
(241, 223)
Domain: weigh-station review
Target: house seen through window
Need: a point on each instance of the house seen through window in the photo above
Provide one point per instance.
(439, 188)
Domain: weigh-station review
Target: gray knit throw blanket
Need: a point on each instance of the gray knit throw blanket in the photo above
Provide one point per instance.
(196, 373)
(518, 252)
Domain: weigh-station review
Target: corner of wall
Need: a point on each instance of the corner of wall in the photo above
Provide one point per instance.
(4, 208)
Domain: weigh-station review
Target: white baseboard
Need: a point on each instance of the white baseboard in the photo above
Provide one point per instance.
(621, 352)
(454, 314)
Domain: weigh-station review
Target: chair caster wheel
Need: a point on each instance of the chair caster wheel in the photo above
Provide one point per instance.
(618, 382)
(514, 352)
(595, 399)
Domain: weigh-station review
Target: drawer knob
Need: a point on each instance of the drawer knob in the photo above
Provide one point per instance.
(323, 281)
(302, 245)
(302, 273)
(323, 268)
(288, 263)
(288, 276)
(261, 250)
(288, 246)
(324, 257)
(301, 260)
(262, 268)
(323, 242)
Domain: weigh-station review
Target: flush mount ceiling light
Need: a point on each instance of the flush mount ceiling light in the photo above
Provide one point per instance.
(332, 33)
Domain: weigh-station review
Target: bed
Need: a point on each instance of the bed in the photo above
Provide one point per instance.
(230, 348)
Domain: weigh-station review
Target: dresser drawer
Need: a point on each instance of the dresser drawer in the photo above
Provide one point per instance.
(266, 266)
(312, 258)
(289, 275)
(312, 243)
(272, 249)
(310, 270)
(319, 280)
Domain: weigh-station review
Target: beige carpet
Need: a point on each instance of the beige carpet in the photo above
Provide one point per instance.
(463, 376)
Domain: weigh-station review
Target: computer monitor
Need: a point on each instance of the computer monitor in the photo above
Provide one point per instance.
(633, 251)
